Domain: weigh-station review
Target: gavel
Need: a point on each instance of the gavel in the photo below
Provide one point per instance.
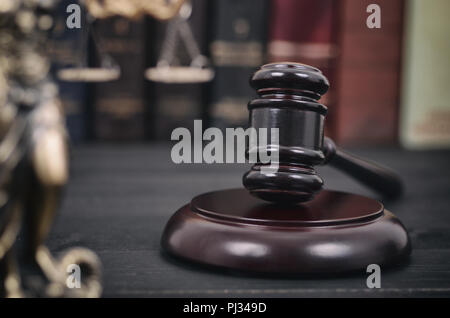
(297, 232)
(288, 99)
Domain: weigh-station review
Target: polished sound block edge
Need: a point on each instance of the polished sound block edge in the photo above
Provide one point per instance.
(233, 230)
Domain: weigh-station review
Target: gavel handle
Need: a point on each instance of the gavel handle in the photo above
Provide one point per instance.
(379, 178)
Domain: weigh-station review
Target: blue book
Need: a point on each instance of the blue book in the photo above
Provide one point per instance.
(238, 31)
(69, 48)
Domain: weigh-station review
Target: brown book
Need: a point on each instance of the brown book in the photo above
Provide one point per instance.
(304, 31)
(367, 78)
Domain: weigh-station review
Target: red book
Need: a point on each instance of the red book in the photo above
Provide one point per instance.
(367, 77)
(362, 64)
(304, 31)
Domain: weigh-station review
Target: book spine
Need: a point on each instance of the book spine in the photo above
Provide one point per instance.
(368, 73)
(238, 32)
(425, 112)
(304, 31)
(68, 49)
(120, 105)
(178, 105)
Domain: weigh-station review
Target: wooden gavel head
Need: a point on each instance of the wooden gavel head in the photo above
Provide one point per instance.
(288, 100)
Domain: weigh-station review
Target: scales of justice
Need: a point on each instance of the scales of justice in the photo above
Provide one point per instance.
(178, 32)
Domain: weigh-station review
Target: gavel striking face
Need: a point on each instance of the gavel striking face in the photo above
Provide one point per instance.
(288, 100)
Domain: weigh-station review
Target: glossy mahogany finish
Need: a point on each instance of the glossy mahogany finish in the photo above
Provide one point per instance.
(335, 232)
(288, 95)
(288, 100)
(329, 207)
(381, 179)
(301, 79)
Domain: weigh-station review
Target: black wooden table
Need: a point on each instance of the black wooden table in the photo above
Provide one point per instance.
(120, 197)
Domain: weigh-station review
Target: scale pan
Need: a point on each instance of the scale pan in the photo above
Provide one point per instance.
(87, 74)
(179, 74)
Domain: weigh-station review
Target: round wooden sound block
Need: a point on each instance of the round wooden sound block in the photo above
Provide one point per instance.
(335, 232)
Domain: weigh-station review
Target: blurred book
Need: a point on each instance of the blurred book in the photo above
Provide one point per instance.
(425, 113)
(362, 64)
(367, 78)
(68, 48)
(238, 31)
(304, 31)
(178, 104)
(119, 106)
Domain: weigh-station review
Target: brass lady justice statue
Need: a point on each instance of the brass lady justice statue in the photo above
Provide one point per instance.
(33, 150)
(33, 162)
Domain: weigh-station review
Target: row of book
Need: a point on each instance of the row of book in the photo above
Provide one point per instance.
(378, 93)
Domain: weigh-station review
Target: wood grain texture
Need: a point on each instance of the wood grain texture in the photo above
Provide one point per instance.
(120, 197)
